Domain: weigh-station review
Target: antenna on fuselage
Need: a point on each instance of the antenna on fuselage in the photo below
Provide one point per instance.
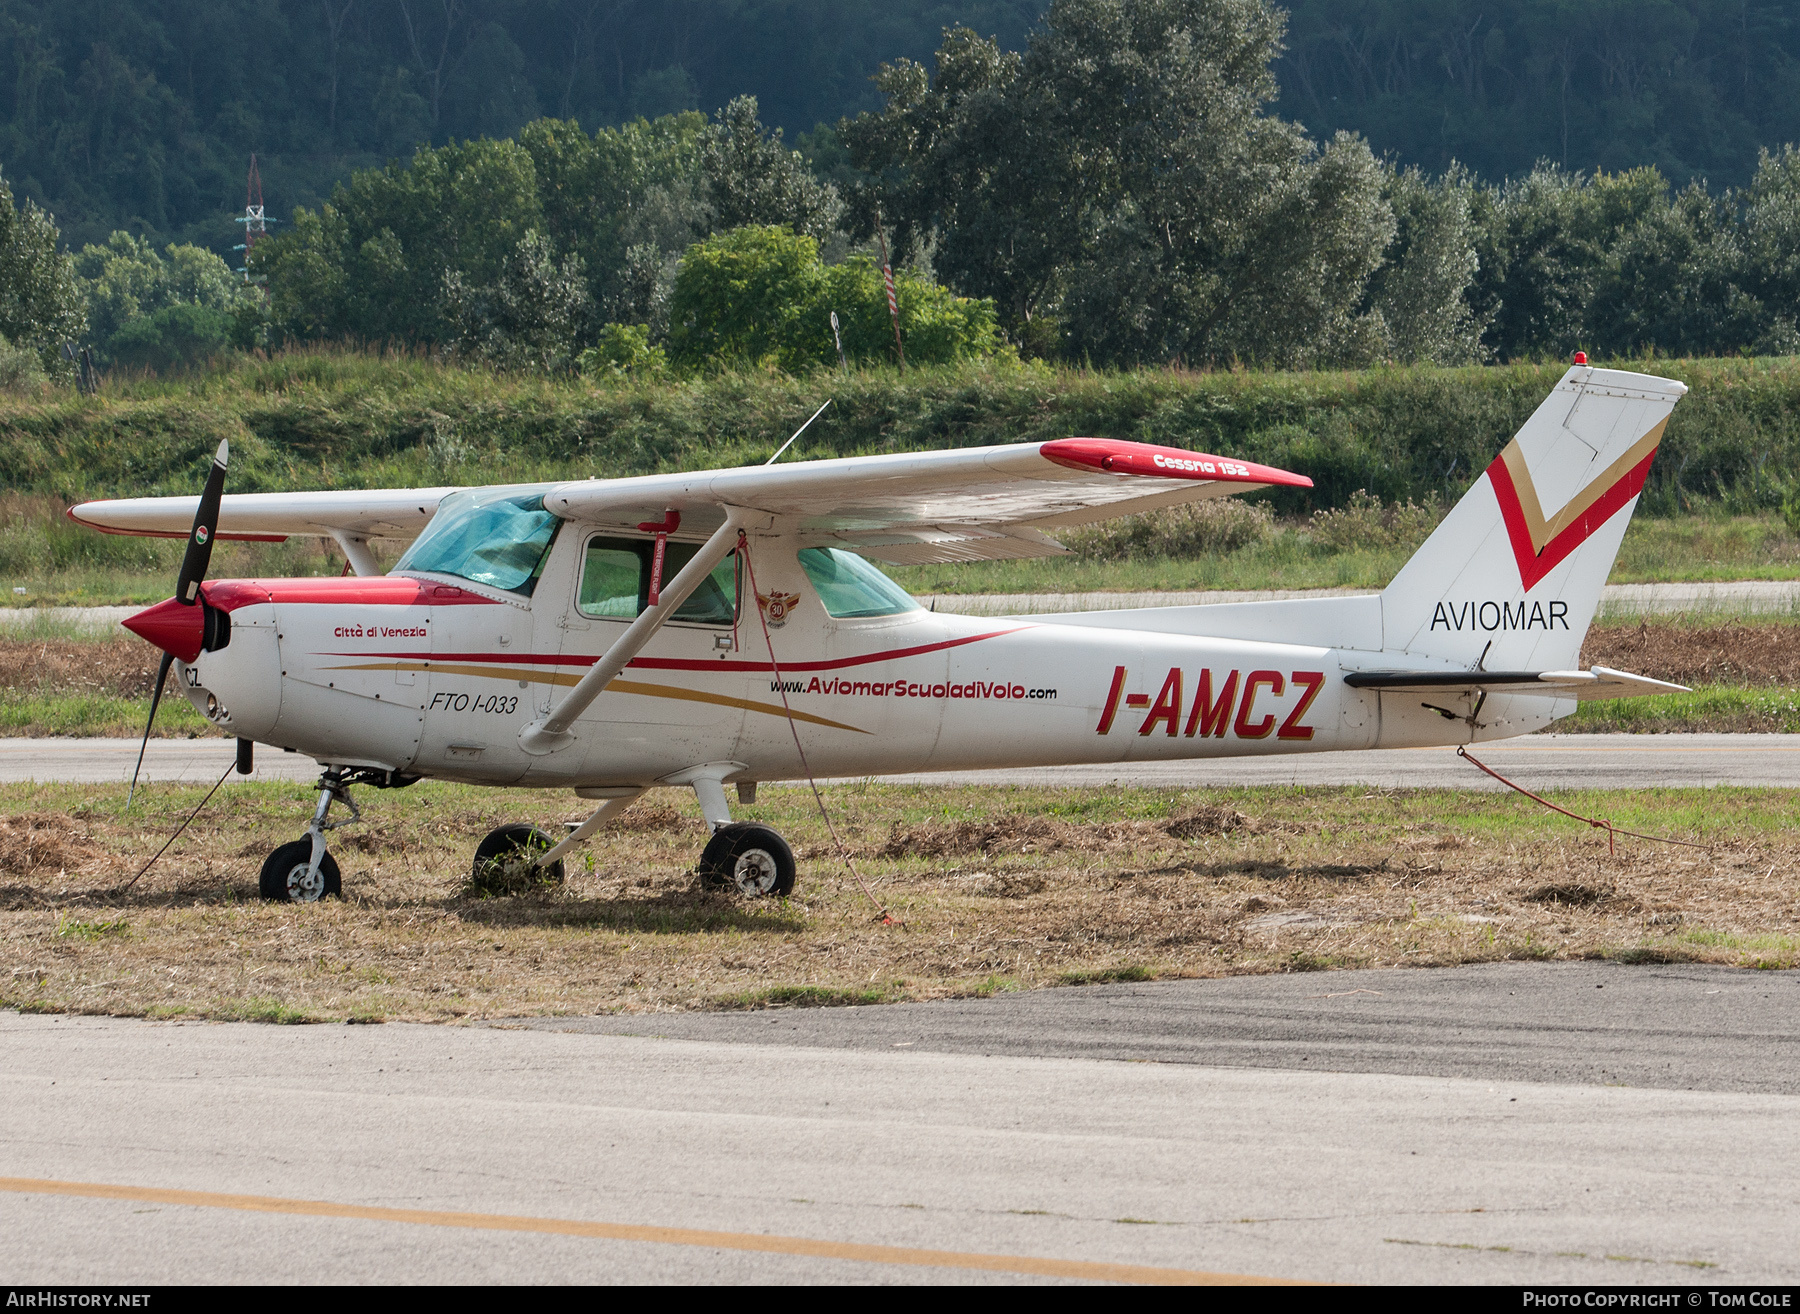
(802, 429)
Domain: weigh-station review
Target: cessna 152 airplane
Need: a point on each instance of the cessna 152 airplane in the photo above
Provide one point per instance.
(611, 635)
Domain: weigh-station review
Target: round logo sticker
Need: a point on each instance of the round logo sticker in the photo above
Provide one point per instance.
(201, 535)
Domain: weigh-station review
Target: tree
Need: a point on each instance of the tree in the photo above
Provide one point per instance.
(751, 178)
(1771, 242)
(1124, 175)
(126, 280)
(175, 337)
(1544, 253)
(1672, 282)
(534, 315)
(40, 303)
(372, 262)
(1421, 290)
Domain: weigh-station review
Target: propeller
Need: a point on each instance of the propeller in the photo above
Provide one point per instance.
(206, 524)
(170, 632)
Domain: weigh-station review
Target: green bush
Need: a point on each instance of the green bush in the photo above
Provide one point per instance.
(20, 369)
(1364, 522)
(317, 418)
(175, 337)
(759, 296)
(1198, 529)
(624, 349)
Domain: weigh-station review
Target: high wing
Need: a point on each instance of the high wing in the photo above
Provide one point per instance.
(271, 517)
(972, 504)
(1592, 685)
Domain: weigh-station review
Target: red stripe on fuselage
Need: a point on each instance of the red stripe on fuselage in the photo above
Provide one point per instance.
(341, 591)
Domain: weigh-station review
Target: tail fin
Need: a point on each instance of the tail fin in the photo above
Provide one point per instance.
(1511, 578)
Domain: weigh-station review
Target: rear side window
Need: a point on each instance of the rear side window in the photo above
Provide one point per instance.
(615, 581)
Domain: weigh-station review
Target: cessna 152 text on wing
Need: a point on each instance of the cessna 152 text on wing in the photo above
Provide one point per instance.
(611, 635)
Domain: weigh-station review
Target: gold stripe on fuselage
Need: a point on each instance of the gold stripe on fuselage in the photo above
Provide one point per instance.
(567, 678)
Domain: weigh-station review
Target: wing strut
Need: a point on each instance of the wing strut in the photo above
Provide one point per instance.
(541, 738)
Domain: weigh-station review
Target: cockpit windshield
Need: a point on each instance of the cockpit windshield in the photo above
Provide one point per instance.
(494, 536)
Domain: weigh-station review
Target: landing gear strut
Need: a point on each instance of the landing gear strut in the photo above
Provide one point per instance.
(302, 872)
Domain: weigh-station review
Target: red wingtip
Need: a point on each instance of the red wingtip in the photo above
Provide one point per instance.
(1117, 456)
(177, 629)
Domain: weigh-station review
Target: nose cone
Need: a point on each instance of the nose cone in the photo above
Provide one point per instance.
(178, 629)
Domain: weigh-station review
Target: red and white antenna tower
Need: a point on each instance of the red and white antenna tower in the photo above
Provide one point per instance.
(255, 225)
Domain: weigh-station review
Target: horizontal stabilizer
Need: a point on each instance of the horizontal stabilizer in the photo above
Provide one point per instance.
(1584, 686)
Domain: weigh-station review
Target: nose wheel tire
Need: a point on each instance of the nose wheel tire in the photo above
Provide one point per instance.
(504, 861)
(752, 860)
(287, 875)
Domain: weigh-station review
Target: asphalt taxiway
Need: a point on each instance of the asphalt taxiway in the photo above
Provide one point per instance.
(1541, 1123)
(1536, 761)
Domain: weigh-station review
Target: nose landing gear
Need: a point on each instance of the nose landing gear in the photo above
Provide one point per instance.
(302, 872)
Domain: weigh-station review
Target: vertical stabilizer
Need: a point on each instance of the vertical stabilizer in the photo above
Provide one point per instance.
(1515, 570)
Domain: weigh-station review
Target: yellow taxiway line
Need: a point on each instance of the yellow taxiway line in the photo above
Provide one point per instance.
(1085, 1270)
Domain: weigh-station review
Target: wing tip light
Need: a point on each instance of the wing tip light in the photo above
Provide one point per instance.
(1117, 456)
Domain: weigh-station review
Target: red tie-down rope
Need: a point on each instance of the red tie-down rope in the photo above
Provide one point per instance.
(1598, 823)
(887, 918)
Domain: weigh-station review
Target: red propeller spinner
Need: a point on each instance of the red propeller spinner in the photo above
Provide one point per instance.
(178, 628)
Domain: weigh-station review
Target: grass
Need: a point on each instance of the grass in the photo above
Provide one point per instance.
(1668, 549)
(1655, 550)
(326, 417)
(992, 889)
(37, 714)
(1721, 709)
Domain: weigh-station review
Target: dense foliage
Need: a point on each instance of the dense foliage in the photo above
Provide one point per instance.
(160, 310)
(139, 114)
(315, 419)
(1690, 87)
(1123, 190)
(524, 252)
(1124, 193)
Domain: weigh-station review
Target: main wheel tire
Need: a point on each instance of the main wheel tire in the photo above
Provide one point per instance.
(504, 861)
(753, 860)
(284, 875)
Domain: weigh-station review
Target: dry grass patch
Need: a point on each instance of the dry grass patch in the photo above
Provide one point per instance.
(1748, 653)
(996, 889)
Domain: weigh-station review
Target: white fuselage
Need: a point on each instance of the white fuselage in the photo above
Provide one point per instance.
(438, 677)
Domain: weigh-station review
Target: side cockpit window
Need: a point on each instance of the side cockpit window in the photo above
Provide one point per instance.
(615, 581)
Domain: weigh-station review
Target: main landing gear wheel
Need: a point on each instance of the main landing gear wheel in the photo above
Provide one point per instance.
(287, 875)
(505, 861)
(753, 860)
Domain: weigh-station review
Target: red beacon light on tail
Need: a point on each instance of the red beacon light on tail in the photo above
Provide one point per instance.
(1581, 358)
